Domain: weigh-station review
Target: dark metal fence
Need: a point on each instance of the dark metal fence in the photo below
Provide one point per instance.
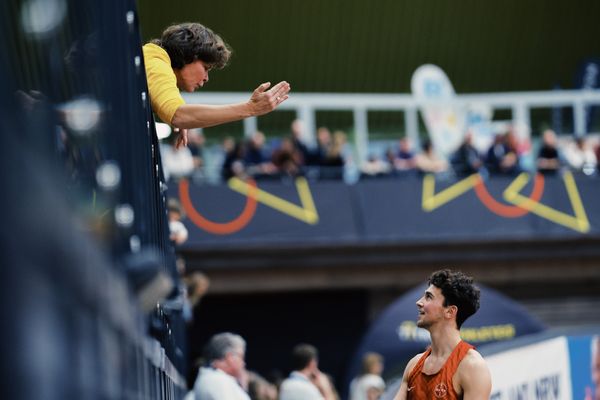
(90, 291)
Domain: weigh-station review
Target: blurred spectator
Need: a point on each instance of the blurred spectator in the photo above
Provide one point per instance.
(287, 158)
(318, 155)
(255, 161)
(306, 382)
(428, 161)
(502, 156)
(196, 142)
(369, 385)
(466, 160)
(374, 167)
(228, 144)
(580, 156)
(390, 156)
(298, 140)
(259, 388)
(197, 285)
(178, 233)
(548, 161)
(177, 163)
(225, 373)
(332, 167)
(405, 158)
(522, 146)
(233, 165)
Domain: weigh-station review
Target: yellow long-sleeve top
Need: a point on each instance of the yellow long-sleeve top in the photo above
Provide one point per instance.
(162, 82)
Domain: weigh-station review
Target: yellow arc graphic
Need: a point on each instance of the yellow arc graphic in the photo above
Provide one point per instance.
(307, 213)
(432, 200)
(578, 222)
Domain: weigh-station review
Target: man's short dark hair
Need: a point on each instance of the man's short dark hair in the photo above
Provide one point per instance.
(458, 290)
(302, 355)
(191, 41)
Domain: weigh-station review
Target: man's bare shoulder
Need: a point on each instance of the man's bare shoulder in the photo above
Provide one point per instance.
(411, 365)
(473, 360)
(473, 375)
(403, 390)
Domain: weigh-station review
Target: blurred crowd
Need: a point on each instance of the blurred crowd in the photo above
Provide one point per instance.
(331, 156)
(222, 374)
(504, 156)
(259, 158)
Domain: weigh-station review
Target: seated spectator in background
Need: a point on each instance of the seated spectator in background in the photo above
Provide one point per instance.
(374, 167)
(196, 142)
(332, 166)
(287, 159)
(225, 371)
(369, 385)
(233, 165)
(548, 161)
(580, 156)
(177, 162)
(324, 142)
(428, 161)
(255, 161)
(390, 156)
(306, 382)
(178, 233)
(298, 140)
(502, 157)
(466, 160)
(259, 388)
(405, 158)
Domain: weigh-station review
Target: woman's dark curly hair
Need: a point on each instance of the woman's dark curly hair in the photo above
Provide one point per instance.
(191, 41)
(458, 290)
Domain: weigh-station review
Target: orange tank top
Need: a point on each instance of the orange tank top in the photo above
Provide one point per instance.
(439, 385)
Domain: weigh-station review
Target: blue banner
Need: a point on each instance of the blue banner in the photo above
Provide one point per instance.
(584, 354)
(410, 210)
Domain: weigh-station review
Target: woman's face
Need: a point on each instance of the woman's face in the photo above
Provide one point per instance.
(192, 76)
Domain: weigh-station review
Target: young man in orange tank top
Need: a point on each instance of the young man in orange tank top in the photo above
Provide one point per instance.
(449, 369)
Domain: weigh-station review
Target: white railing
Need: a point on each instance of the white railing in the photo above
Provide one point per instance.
(306, 105)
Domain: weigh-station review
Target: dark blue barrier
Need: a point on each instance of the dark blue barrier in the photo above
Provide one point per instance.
(410, 210)
(84, 233)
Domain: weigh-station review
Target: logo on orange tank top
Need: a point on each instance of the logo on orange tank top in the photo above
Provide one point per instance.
(441, 390)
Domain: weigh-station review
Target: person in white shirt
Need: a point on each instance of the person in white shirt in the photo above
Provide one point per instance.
(306, 382)
(225, 371)
(369, 385)
(178, 233)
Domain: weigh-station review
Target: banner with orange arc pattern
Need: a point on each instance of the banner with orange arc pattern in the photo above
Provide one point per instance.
(402, 210)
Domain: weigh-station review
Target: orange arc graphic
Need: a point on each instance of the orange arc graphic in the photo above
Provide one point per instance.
(218, 228)
(504, 210)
